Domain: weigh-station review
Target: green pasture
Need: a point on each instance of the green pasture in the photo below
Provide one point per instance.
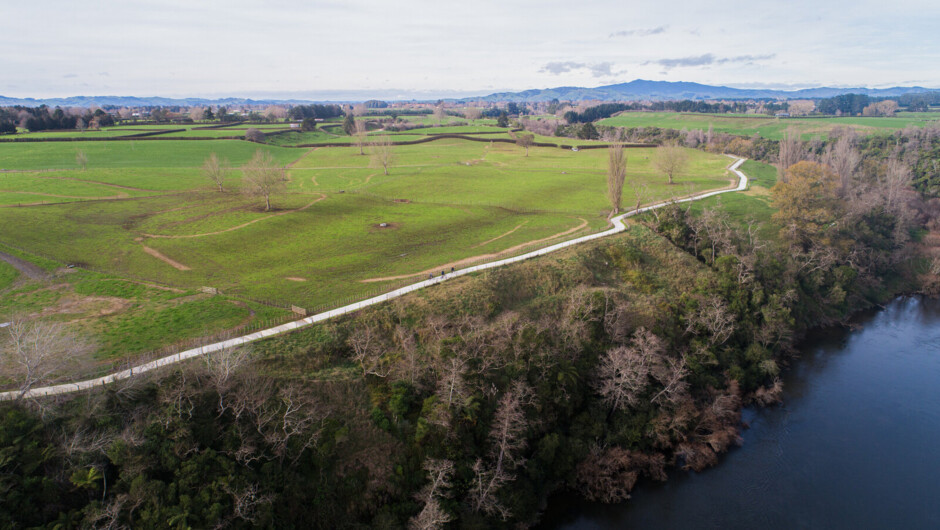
(121, 317)
(767, 126)
(753, 205)
(206, 133)
(444, 201)
(111, 132)
(458, 129)
(332, 244)
(132, 154)
(428, 119)
(454, 171)
(8, 275)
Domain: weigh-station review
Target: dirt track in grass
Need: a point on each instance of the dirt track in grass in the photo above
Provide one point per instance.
(243, 225)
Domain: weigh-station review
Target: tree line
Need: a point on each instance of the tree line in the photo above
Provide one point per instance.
(43, 118)
(301, 112)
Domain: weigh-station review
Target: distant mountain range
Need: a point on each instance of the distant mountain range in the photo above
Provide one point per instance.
(637, 90)
(642, 90)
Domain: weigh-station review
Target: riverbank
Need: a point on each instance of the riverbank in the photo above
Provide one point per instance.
(851, 446)
(589, 369)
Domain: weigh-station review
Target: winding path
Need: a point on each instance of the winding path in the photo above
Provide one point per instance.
(618, 227)
(29, 269)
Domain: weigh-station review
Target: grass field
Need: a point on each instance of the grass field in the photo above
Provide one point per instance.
(131, 154)
(446, 203)
(751, 205)
(119, 317)
(766, 126)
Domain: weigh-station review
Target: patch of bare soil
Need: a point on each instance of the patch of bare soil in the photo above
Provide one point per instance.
(173, 263)
(29, 269)
(295, 279)
(87, 306)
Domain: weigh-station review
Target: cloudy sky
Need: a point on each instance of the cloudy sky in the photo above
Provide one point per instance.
(414, 48)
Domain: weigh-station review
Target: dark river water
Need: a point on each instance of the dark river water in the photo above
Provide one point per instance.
(856, 443)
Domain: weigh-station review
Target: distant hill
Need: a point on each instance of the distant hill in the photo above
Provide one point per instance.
(639, 89)
(133, 101)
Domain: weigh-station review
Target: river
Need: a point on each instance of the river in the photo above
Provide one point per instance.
(856, 443)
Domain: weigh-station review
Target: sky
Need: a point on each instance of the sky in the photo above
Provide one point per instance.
(403, 49)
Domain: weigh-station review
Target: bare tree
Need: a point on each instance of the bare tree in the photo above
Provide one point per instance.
(36, 350)
(359, 134)
(791, 152)
(616, 172)
(881, 108)
(276, 112)
(641, 192)
(196, 113)
(439, 113)
(671, 373)
(433, 516)
(254, 135)
(525, 140)
(412, 366)
(222, 366)
(263, 177)
(843, 158)
(451, 386)
(369, 350)
(246, 501)
(216, 170)
(81, 159)
(472, 113)
(897, 179)
(439, 473)
(670, 159)
(800, 107)
(80, 124)
(289, 420)
(694, 138)
(624, 371)
(382, 153)
(508, 440)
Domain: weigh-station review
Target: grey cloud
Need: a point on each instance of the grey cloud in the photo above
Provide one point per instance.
(69, 76)
(639, 32)
(708, 59)
(747, 58)
(604, 69)
(561, 67)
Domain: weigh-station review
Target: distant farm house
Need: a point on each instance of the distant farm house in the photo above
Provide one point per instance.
(782, 115)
